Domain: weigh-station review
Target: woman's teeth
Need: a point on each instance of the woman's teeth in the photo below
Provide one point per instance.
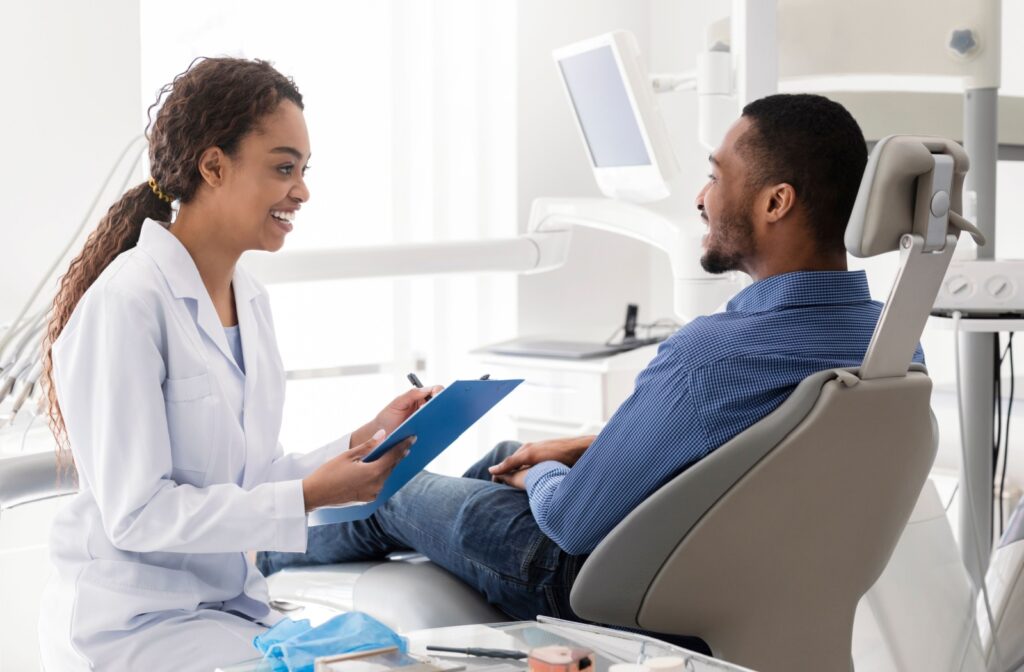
(283, 215)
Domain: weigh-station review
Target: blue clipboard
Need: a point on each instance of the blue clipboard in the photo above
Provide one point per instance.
(436, 425)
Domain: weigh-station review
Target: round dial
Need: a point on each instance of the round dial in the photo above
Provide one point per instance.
(959, 286)
(999, 287)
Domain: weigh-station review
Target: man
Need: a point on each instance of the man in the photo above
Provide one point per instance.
(520, 523)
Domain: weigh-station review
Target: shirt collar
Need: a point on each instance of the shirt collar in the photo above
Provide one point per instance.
(802, 288)
(177, 265)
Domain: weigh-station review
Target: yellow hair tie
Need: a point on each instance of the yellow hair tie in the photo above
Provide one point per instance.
(156, 190)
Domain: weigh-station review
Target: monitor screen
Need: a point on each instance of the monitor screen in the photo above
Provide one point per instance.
(603, 108)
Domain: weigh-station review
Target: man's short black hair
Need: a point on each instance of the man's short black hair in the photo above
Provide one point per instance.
(815, 145)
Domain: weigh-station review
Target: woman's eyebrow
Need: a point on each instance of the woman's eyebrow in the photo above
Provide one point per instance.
(288, 150)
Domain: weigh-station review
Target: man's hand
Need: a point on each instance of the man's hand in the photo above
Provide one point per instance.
(566, 451)
(517, 479)
(395, 413)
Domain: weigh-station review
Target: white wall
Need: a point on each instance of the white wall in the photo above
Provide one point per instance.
(71, 103)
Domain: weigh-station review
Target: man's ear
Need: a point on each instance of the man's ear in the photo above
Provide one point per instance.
(780, 201)
(212, 165)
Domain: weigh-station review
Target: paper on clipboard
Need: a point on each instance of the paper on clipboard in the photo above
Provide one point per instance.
(436, 426)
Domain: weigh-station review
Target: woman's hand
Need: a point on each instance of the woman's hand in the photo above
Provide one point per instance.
(395, 413)
(346, 478)
(566, 451)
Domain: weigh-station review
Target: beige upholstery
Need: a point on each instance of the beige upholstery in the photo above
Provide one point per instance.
(804, 534)
(889, 204)
(770, 573)
(764, 548)
(406, 593)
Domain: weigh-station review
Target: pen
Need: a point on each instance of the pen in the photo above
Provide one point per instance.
(415, 380)
(486, 653)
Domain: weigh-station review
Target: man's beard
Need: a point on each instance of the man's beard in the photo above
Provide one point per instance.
(732, 242)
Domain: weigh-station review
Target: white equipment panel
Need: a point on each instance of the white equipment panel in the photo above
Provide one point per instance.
(982, 288)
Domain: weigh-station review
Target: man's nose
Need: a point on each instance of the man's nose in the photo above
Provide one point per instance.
(699, 201)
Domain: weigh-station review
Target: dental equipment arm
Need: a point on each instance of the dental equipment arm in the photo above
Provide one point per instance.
(544, 248)
(139, 144)
(20, 351)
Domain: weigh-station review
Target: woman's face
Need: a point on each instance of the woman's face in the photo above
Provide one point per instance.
(265, 185)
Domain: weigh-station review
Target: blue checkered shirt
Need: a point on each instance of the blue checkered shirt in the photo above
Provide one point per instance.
(711, 380)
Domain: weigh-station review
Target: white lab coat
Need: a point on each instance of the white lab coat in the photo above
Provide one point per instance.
(150, 571)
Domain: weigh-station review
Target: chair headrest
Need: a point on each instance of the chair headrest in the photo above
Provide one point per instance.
(897, 197)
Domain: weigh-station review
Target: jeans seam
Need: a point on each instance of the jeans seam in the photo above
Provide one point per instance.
(375, 522)
(549, 593)
(479, 566)
(524, 568)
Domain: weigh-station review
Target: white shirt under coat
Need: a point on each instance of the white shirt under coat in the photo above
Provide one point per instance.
(174, 488)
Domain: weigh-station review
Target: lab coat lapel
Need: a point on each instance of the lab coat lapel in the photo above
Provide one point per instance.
(248, 326)
(179, 269)
(246, 292)
(209, 323)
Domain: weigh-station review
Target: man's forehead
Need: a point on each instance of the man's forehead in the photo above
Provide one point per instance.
(725, 152)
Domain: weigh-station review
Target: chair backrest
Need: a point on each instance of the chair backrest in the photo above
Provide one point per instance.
(31, 478)
(764, 547)
(30, 493)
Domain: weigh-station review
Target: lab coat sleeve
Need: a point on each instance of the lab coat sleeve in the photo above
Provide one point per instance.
(109, 372)
(300, 465)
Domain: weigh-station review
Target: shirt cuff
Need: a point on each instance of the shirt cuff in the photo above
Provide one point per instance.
(539, 473)
(290, 514)
(337, 447)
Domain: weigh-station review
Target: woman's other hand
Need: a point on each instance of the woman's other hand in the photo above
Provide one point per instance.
(346, 478)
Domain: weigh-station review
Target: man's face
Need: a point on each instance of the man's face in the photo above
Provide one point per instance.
(726, 204)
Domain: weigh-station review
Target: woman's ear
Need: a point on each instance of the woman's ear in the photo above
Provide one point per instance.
(212, 164)
(781, 201)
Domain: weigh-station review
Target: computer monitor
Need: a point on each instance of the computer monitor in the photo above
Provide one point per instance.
(617, 117)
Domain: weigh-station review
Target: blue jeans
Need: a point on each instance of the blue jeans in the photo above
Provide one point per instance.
(480, 531)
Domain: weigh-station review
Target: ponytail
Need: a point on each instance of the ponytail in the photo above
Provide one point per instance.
(117, 232)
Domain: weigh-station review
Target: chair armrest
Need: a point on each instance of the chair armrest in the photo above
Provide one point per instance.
(34, 477)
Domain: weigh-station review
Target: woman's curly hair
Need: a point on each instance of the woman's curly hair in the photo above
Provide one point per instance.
(215, 103)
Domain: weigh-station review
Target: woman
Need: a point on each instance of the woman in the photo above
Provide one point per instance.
(165, 379)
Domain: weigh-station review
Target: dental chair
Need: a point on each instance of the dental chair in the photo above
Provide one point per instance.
(30, 495)
(27, 479)
(764, 548)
